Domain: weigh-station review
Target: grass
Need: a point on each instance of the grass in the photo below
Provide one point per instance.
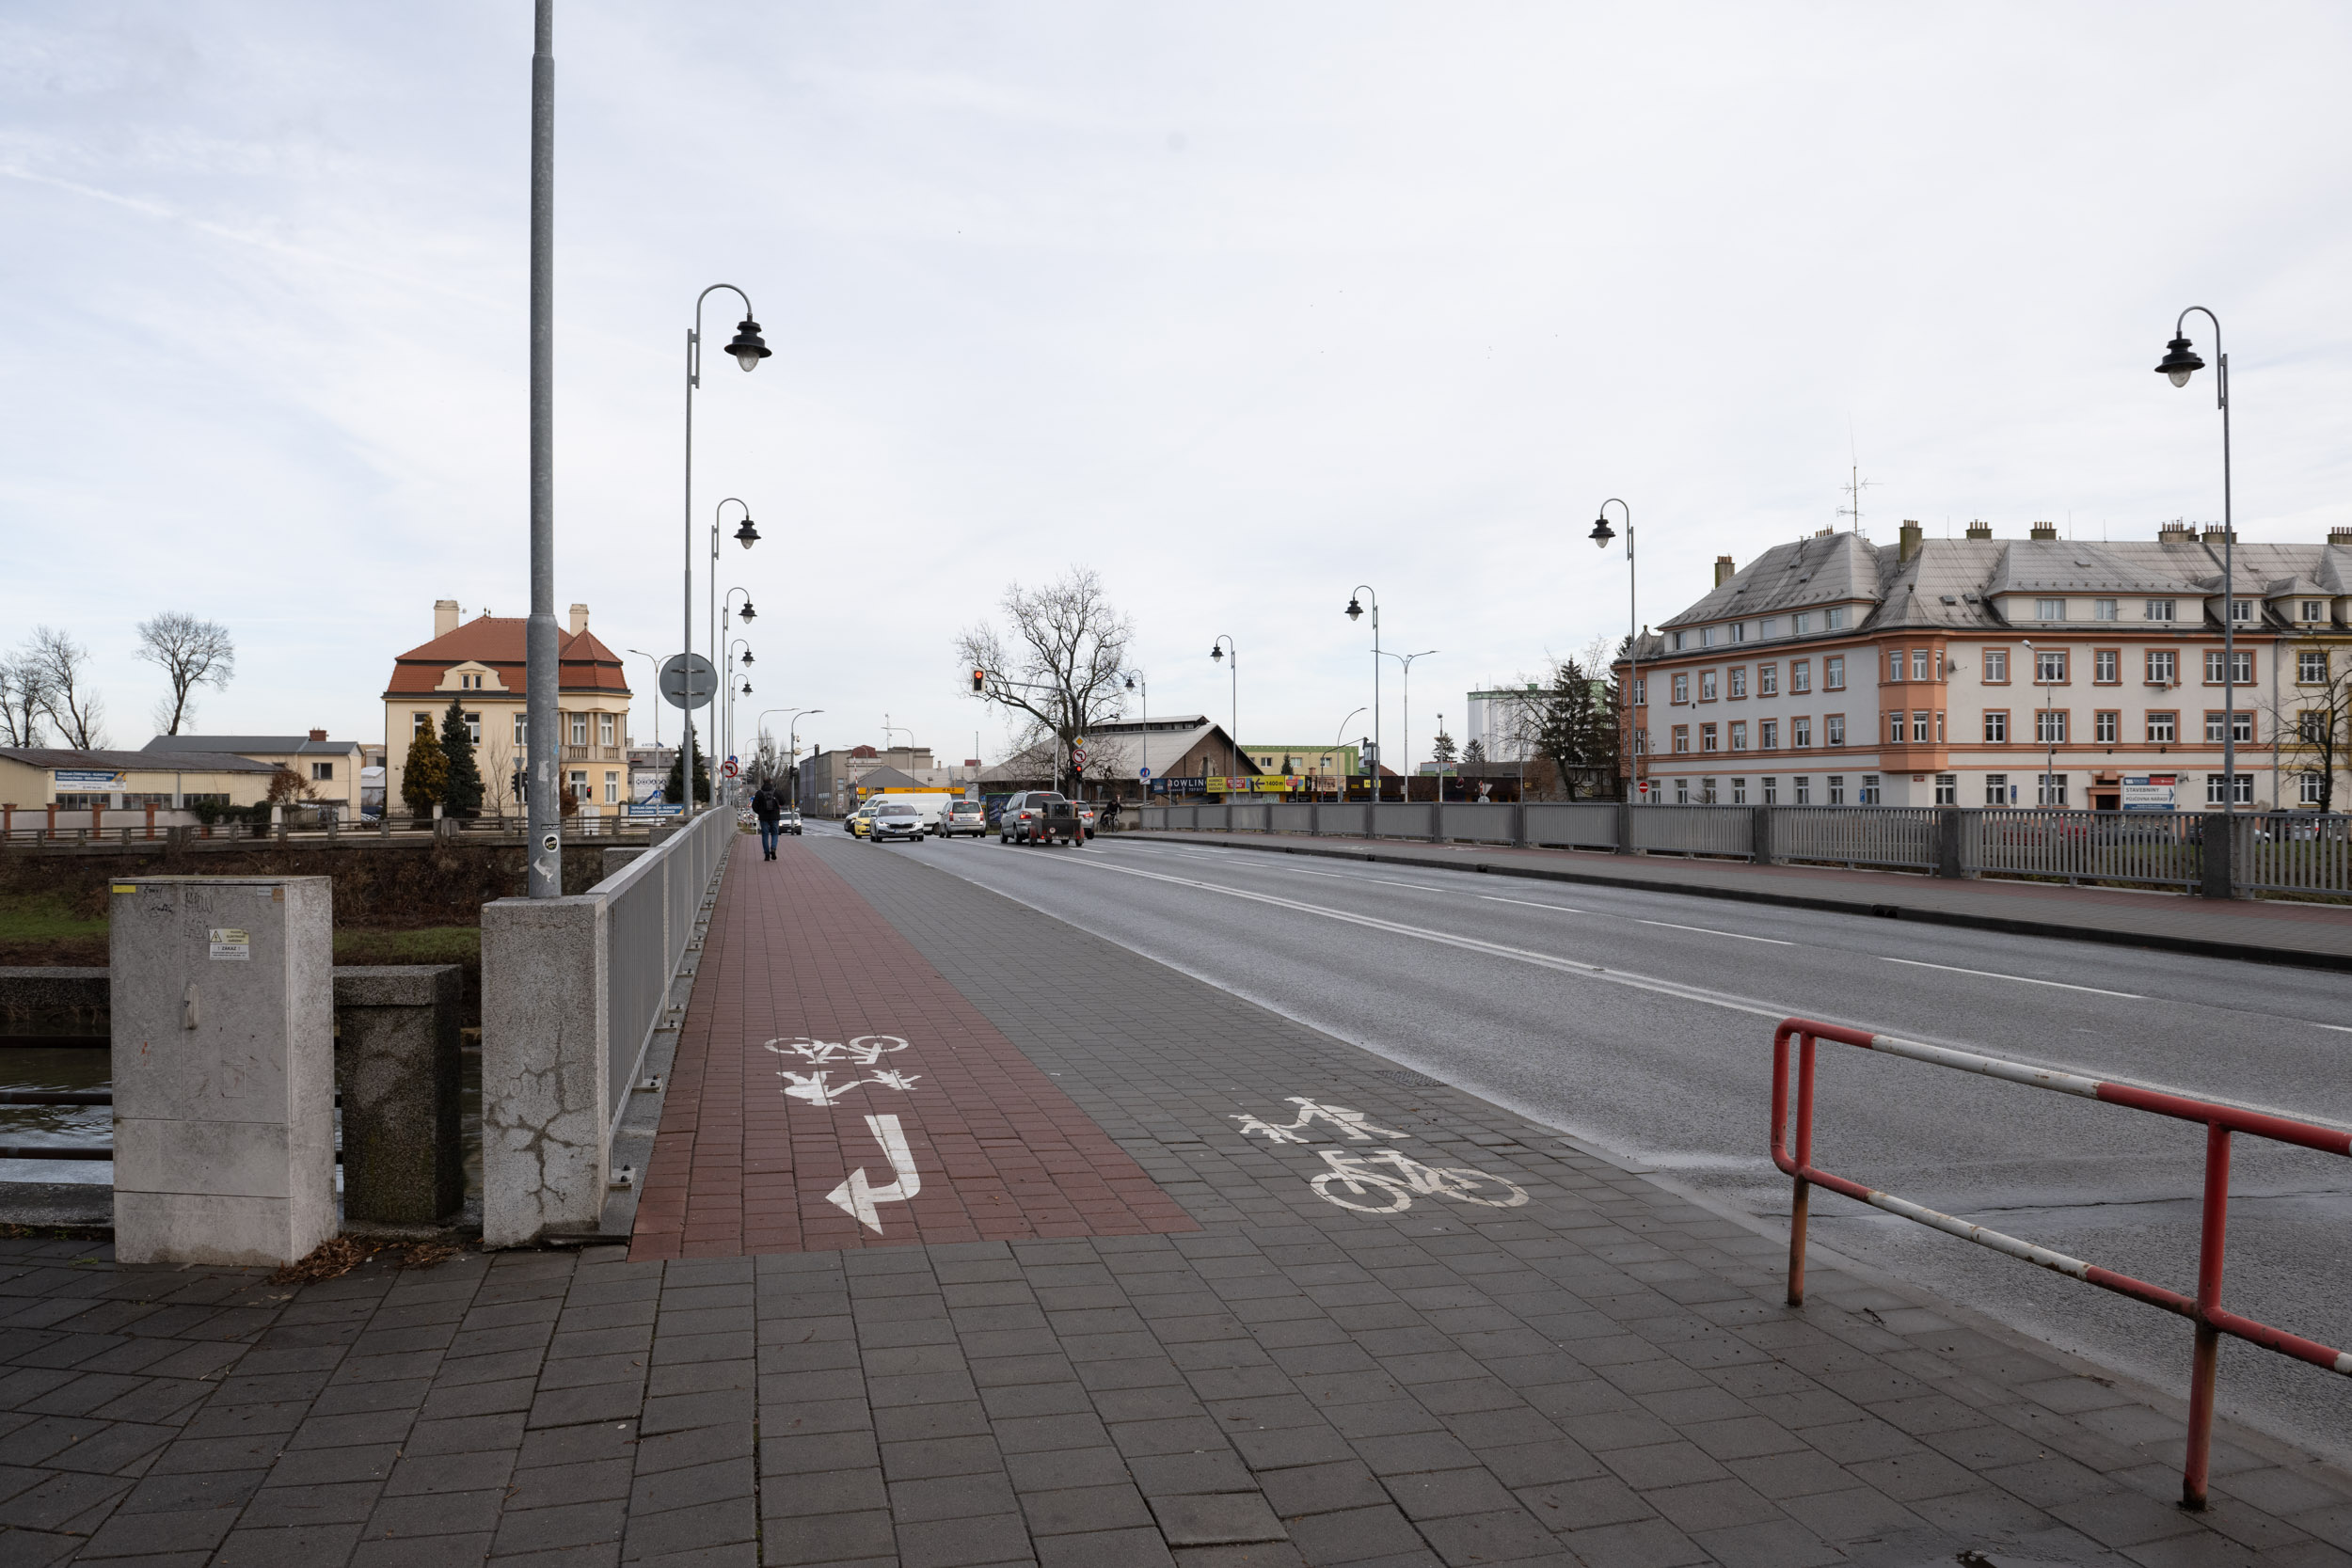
(428, 944)
(44, 917)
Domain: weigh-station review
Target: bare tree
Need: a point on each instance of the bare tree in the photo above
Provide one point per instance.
(191, 652)
(23, 700)
(2315, 732)
(62, 664)
(1062, 670)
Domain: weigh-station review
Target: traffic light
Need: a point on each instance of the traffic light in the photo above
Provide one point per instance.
(979, 680)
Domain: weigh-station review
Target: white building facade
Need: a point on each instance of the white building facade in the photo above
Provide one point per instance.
(1980, 672)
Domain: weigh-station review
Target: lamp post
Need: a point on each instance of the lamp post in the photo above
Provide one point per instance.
(1353, 611)
(2049, 735)
(1135, 682)
(1217, 651)
(749, 349)
(1635, 750)
(1341, 792)
(725, 674)
(1407, 660)
(657, 691)
(792, 756)
(543, 807)
(726, 610)
(2180, 362)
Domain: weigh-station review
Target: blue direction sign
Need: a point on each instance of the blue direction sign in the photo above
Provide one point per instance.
(1143, 772)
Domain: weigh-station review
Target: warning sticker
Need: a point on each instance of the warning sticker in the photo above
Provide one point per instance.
(230, 942)
(126, 887)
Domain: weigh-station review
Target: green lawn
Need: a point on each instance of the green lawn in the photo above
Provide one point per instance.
(43, 917)
(428, 944)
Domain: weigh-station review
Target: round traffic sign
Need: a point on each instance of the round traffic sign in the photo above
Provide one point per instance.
(1143, 772)
(687, 681)
(729, 771)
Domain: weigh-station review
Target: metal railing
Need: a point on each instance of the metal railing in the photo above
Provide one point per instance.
(2142, 848)
(1898, 836)
(650, 906)
(1695, 830)
(2292, 852)
(1575, 824)
(2203, 1309)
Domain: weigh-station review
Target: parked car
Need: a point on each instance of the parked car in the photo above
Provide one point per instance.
(963, 817)
(895, 819)
(788, 821)
(856, 823)
(1040, 817)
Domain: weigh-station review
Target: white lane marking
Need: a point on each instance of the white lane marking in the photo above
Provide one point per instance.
(858, 1196)
(1529, 903)
(2021, 979)
(2338, 1028)
(1712, 932)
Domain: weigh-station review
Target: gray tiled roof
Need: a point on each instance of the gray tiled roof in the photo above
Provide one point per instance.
(141, 762)
(276, 745)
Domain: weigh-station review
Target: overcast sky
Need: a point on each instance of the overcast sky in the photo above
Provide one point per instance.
(1240, 305)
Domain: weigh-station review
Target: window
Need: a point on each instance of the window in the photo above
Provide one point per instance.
(522, 730)
(1769, 628)
(1895, 727)
(1707, 737)
(611, 787)
(1683, 689)
(1800, 676)
(1947, 789)
(1801, 732)
(1997, 789)
(1738, 631)
(1772, 791)
(1678, 642)
(2049, 726)
(1919, 663)
(474, 728)
(2239, 724)
(2050, 790)
(1768, 680)
(2049, 609)
(1767, 734)
(2160, 609)
(2244, 793)
(1641, 691)
(1739, 679)
(2105, 725)
(2310, 666)
(1833, 674)
(1799, 625)
(1804, 789)
(2313, 787)
(579, 785)
(424, 723)
(2107, 666)
(604, 729)
(1707, 686)
(2103, 609)
(2049, 666)
(2313, 610)
(1740, 735)
(1996, 667)
(1997, 725)
(1868, 795)
(1833, 730)
(1682, 737)
(2163, 728)
(1738, 792)
(2241, 610)
(1919, 720)
(2164, 667)
(2312, 725)
(2242, 668)
(1706, 637)
(1682, 792)
(1838, 789)
(1893, 664)
(1834, 618)
(323, 771)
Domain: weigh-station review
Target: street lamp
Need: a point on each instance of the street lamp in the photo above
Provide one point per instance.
(1407, 660)
(1340, 791)
(1635, 750)
(1355, 612)
(1218, 650)
(732, 644)
(792, 756)
(749, 350)
(2180, 362)
(657, 691)
(1137, 682)
(2049, 734)
(726, 609)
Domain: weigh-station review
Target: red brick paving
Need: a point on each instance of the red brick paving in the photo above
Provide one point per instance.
(795, 953)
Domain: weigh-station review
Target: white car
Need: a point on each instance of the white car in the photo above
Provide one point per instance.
(895, 819)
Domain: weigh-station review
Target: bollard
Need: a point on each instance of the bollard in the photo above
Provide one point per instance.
(397, 1066)
(223, 1069)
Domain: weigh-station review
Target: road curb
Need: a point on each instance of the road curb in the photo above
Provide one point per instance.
(2154, 940)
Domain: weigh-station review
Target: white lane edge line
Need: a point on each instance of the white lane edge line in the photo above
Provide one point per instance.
(1529, 903)
(1675, 925)
(2021, 979)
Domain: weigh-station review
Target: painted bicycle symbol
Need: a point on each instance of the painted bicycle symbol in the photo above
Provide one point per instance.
(865, 1050)
(1386, 1182)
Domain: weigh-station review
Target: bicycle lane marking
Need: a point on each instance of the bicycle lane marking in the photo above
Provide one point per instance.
(1384, 1170)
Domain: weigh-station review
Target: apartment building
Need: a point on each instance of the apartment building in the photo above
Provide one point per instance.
(1982, 671)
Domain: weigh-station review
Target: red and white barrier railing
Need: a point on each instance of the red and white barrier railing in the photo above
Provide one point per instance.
(2203, 1309)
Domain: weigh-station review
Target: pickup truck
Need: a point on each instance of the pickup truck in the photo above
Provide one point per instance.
(1041, 817)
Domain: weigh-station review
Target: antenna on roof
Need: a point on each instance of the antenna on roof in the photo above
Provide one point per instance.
(1855, 483)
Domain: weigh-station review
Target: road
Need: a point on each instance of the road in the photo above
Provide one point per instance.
(1664, 1059)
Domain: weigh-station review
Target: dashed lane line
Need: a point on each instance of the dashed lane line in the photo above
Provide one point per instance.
(2021, 979)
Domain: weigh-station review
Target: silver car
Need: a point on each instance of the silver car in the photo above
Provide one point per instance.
(895, 819)
(963, 817)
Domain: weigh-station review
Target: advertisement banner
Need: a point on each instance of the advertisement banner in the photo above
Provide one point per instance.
(89, 778)
(656, 808)
(1191, 785)
(2150, 792)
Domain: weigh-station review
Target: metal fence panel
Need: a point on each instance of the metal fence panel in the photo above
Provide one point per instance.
(2292, 852)
(2150, 849)
(650, 906)
(1902, 836)
(1349, 819)
(1248, 819)
(1695, 830)
(1475, 822)
(1579, 825)
(1289, 816)
(1403, 819)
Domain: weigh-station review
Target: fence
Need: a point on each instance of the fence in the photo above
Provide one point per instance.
(2204, 1308)
(650, 906)
(2294, 853)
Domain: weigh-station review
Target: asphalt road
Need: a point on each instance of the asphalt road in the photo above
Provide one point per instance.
(1664, 1057)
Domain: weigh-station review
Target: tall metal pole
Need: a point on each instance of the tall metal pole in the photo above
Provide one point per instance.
(1232, 651)
(657, 693)
(1633, 705)
(1378, 757)
(2179, 364)
(686, 636)
(544, 810)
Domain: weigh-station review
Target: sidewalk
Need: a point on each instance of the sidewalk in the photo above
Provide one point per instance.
(2259, 931)
(1100, 1315)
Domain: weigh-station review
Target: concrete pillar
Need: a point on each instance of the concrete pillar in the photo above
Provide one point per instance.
(398, 1069)
(544, 1091)
(223, 1069)
(2217, 881)
(1760, 835)
(1625, 828)
(1950, 826)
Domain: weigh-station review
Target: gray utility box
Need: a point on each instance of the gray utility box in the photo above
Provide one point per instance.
(223, 1069)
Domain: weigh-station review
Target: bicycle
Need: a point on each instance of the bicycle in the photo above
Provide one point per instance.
(1405, 1180)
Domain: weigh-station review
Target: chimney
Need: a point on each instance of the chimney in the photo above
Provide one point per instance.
(1908, 545)
(2215, 533)
(318, 735)
(1722, 570)
(2043, 531)
(444, 617)
(2175, 533)
(1979, 529)
(2341, 538)
(579, 619)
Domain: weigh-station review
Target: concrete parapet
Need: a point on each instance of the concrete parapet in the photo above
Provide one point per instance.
(398, 1070)
(615, 859)
(223, 1027)
(544, 1043)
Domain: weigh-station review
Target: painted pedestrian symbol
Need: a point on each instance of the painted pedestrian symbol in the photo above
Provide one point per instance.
(1386, 1181)
(857, 1195)
(1353, 1125)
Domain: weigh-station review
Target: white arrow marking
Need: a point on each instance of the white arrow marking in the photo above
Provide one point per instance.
(858, 1197)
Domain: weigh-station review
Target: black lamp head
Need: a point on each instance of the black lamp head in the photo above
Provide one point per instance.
(1354, 610)
(1601, 532)
(2180, 362)
(747, 689)
(1131, 682)
(748, 613)
(747, 535)
(1216, 652)
(748, 659)
(749, 348)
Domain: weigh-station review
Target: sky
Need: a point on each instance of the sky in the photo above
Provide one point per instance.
(1238, 305)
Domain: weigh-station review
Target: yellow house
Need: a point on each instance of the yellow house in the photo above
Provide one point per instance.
(34, 778)
(479, 664)
(329, 769)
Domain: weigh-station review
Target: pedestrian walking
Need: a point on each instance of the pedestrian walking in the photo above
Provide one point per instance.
(769, 810)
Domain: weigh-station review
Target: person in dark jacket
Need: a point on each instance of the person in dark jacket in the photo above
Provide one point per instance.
(769, 810)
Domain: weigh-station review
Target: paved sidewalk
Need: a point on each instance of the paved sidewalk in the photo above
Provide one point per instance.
(1405, 1366)
(2263, 930)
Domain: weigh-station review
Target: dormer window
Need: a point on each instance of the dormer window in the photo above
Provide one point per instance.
(2103, 610)
(1834, 618)
(2241, 610)
(1768, 629)
(2049, 609)
(1678, 642)
(1706, 637)
(1801, 624)
(1738, 631)
(2313, 610)
(2162, 610)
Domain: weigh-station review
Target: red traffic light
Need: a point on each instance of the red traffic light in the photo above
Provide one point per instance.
(979, 680)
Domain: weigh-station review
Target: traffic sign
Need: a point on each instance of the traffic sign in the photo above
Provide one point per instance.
(1077, 756)
(729, 771)
(1143, 772)
(687, 681)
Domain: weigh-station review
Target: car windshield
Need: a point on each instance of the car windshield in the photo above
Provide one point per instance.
(895, 810)
(965, 808)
